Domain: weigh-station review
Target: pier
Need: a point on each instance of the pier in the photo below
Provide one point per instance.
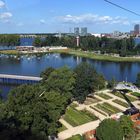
(17, 79)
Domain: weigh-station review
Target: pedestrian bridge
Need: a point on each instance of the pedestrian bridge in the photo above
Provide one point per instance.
(17, 79)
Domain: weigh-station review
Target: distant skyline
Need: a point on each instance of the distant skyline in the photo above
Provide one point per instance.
(48, 16)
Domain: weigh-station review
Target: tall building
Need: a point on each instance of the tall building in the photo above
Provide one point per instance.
(136, 29)
(76, 31)
(84, 31)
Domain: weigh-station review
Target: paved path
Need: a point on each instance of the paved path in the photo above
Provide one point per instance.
(78, 130)
(67, 125)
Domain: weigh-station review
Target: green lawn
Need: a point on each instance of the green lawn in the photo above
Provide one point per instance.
(104, 96)
(108, 108)
(124, 104)
(75, 117)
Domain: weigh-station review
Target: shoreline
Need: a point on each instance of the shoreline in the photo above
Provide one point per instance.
(100, 57)
(90, 55)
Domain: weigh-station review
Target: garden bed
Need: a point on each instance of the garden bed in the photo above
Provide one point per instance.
(75, 117)
(104, 96)
(91, 100)
(132, 99)
(108, 108)
(124, 104)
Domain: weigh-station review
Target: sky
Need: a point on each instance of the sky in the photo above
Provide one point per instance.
(48, 16)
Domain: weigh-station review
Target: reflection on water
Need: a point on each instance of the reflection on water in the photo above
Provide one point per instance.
(33, 65)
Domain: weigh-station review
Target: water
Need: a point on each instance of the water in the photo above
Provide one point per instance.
(34, 65)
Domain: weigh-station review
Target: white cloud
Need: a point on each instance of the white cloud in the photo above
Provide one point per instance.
(42, 21)
(6, 15)
(2, 4)
(93, 18)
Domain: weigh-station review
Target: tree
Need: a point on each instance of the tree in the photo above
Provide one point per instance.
(111, 83)
(45, 74)
(31, 112)
(127, 126)
(61, 80)
(87, 80)
(138, 80)
(109, 129)
(37, 42)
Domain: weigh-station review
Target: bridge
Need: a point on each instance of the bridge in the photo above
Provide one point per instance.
(17, 79)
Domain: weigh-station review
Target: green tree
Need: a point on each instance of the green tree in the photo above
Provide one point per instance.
(45, 74)
(138, 80)
(127, 126)
(87, 80)
(31, 112)
(111, 83)
(61, 80)
(37, 42)
(109, 129)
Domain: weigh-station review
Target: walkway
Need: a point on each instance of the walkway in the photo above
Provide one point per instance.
(18, 77)
(78, 130)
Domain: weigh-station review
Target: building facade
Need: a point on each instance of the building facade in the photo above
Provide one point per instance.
(137, 29)
(76, 31)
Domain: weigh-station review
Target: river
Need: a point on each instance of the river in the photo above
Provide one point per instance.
(34, 65)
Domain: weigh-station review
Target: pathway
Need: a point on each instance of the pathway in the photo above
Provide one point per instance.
(78, 130)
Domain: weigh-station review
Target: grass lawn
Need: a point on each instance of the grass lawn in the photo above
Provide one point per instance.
(108, 108)
(104, 96)
(62, 128)
(121, 96)
(75, 117)
(9, 52)
(76, 137)
(124, 104)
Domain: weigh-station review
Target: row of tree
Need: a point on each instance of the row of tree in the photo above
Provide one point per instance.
(33, 111)
(123, 47)
(9, 40)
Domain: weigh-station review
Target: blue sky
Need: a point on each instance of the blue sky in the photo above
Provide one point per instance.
(33, 16)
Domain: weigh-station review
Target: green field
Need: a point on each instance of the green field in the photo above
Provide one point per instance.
(108, 108)
(75, 117)
(124, 104)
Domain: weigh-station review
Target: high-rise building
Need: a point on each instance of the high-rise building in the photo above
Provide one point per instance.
(76, 31)
(83, 31)
(136, 29)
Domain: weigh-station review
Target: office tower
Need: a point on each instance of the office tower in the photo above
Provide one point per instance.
(136, 29)
(84, 31)
(76, 31)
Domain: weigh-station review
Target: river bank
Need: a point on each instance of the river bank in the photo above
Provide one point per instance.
(101, 57)
(90, 55)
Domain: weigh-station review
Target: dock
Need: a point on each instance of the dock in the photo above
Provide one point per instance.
(18, 79)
